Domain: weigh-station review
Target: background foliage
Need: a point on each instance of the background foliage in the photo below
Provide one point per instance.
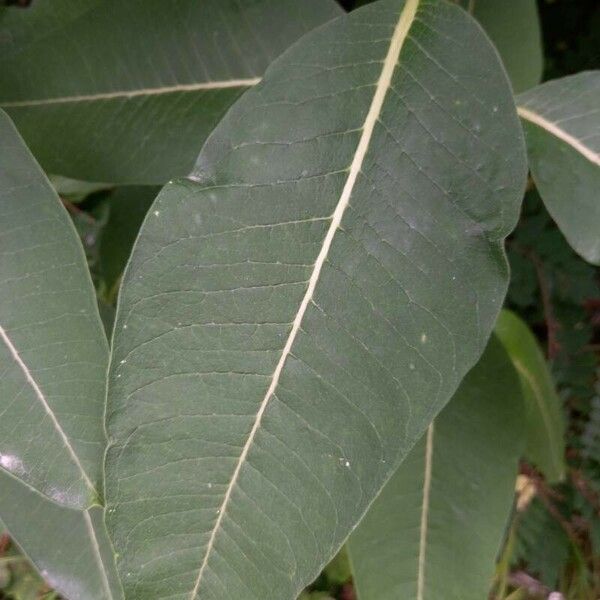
(553, 543)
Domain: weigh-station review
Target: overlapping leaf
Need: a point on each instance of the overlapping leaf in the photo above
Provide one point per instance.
(128, 207)
(543, 410)
(117, 91)
(69, 547)
(296, 312)
(515, 31)
(53, 349)
(562, 125)
(436, 528)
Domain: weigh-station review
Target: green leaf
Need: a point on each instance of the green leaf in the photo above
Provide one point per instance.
(515, 31)
(297, 311)
(591, 433)
(562, 125)
(73, 190)
(106, 90)
(542, 544)
(128, 207)
(436, 528)
(52, 345)
(69, 547)
(543, 406)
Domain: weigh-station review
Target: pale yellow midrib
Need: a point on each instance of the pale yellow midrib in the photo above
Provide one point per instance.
(425, 514)
(127, 94)
(561, 134)
(97, 554)
(401, 30)
(42, 399)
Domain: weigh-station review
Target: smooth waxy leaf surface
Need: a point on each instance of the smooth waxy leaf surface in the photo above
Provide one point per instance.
(297, 311)
(436, 528)
(69, 547)
(561, 119)
(105, 90)
(544, 416)
(515, 31)
(53, 349)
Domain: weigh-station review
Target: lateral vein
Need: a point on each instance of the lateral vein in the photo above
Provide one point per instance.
(40, 396)
(425, 514)
(401, 30)
(191, 87)
(561, 134)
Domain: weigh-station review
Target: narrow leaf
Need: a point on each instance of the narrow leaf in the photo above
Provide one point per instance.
(69, 547)
(297, 311)
(53, 349)
(106, 90)
(562, 125)
(436, 528)
(544, 416)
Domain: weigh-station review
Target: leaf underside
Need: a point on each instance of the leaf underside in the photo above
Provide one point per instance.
(297, 311)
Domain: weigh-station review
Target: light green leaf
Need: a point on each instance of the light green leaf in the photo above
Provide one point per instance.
(53, 349)
(561, 119)
(69, 547)
(296, 312)
(73, 190)
(106, 90)
(515, 30)
(436, 528)
(543, 410)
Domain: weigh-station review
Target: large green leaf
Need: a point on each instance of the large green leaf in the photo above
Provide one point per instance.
(544, 416)
(107, 90)
(562, 124)
(52, 346)
(515, 31)
(297, 311)
(69, 547)
(435, 530)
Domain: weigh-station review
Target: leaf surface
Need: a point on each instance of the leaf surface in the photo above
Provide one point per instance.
(296, 312)
(69, 547)
(543, 406)
(436, 528)
(53, 349)
(105, 90)
(516, 34)
(561, 119)
(128, 207)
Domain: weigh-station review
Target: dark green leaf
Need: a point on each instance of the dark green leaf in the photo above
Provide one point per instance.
(69, 547)
(515, 30)
(297, 311)
(53, 348)
(128, 207)
(436, 528)
(106, 90)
